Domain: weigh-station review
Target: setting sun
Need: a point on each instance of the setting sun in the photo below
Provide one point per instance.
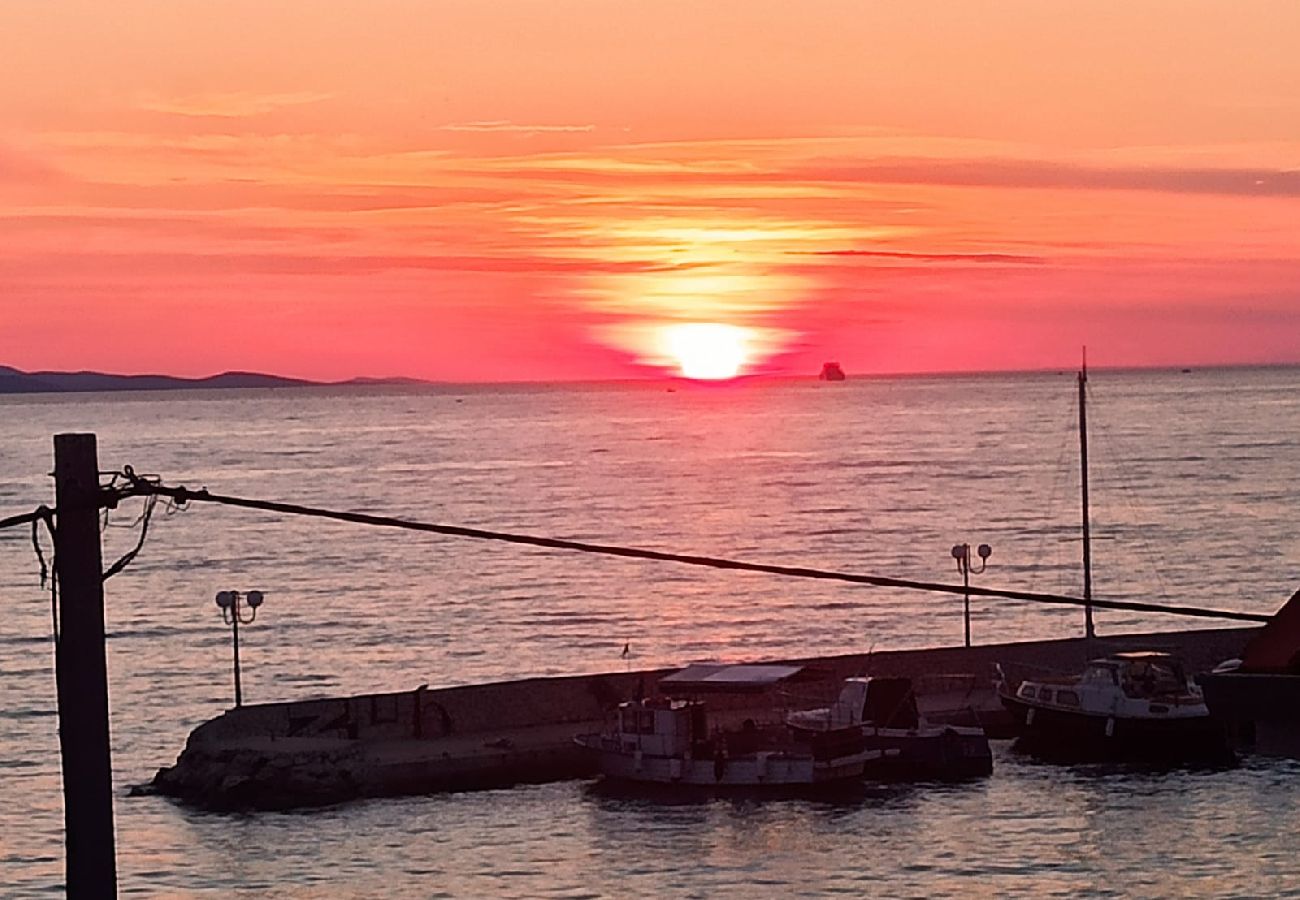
(707, 351)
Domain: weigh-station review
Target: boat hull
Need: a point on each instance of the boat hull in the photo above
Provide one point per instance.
(1075, 734)
(950, 753)
(760, 769)
(928, 753)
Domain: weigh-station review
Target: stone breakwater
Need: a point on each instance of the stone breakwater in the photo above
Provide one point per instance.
(312, 752)
(322, 751)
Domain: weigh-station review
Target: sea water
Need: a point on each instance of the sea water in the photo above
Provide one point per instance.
(1194, 490)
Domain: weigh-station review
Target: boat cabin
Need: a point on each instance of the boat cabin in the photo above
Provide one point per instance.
(1138, 674)
(661, 727)
(873, 701)
(1142, 675)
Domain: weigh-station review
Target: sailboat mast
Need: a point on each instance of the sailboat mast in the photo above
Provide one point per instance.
(1087, 532)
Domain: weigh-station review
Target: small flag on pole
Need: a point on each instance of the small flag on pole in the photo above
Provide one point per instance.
(627, 650)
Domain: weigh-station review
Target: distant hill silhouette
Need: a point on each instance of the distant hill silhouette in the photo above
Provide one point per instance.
(15, 381)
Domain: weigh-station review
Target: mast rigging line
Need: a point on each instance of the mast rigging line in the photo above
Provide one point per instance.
(139, 486)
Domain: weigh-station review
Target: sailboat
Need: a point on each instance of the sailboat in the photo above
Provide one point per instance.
(1137, 704)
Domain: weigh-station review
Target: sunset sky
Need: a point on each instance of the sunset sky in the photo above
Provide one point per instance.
(541, 189)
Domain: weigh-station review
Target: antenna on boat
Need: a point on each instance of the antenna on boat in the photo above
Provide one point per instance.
(1089, 631)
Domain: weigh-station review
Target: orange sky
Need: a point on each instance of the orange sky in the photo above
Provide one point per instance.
(534, 189)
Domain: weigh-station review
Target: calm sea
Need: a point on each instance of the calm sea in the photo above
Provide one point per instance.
(1195, 490)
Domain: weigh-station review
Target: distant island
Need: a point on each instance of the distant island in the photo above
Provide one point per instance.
(15, 381)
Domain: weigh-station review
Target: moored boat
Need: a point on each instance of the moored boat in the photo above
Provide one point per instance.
(1133, 705)
(669, 741)
(884, 710)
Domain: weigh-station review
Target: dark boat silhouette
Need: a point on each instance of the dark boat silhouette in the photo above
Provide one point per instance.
(1258, 696)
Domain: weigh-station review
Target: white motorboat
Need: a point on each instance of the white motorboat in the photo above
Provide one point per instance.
(1137, 704)
(884, 710)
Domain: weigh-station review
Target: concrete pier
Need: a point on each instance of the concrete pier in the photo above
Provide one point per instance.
(313, 752)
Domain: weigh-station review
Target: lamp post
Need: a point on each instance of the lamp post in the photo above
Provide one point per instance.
(961, 553)
(233, 615)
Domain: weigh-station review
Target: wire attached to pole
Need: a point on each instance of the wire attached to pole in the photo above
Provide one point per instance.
(146, 486)
(179, 497)
(150, 502)
(48, 573)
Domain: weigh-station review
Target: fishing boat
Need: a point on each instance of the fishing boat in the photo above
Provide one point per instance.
(884, 710)
(1131, 705)
(678, 739)
(669, 741)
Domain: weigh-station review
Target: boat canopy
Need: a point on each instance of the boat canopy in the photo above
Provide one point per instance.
(704, 677)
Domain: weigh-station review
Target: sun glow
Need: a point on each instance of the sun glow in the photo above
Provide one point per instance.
(707, 351)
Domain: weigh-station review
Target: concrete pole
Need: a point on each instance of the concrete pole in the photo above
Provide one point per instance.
(965, 581)
(234, 630)
(81, 672)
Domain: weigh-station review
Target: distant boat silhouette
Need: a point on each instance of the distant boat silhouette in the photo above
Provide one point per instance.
(831, 371)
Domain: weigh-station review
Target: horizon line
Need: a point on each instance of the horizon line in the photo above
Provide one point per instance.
(664, 377)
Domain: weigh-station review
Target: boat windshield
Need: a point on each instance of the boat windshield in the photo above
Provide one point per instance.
(1101, 673)
(1150, 678)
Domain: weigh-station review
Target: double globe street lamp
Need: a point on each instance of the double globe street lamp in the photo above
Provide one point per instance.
(961, 553)
(233, 615)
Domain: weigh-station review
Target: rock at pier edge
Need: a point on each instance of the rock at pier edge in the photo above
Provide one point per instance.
(277, 756)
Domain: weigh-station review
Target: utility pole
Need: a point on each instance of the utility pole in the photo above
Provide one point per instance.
(81, 672)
